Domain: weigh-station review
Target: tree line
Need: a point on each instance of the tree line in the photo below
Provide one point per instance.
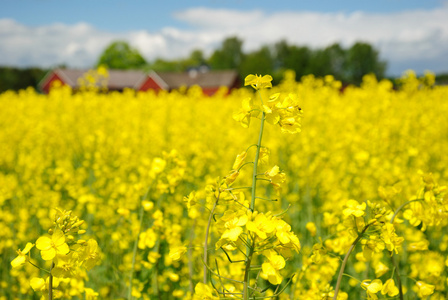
(20, 78)
(348, 65)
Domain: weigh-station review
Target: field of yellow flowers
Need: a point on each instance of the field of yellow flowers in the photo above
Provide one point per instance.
(297, 191)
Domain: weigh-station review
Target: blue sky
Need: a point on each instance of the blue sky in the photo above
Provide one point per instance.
(410, 34)
(119, 15)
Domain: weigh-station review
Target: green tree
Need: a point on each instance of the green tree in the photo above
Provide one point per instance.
(196, 58)
(16, 79)
(161, 65)
(229, 56)
(120, 55)
(338, 60)
(257, 62)
(292, 57)
(363, 59)
(329, 61)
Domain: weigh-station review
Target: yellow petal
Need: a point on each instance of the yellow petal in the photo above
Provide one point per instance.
(247, 104)
(18, 261)
(267, 109)
(177, 252)
(389, 288)
(27, 248)
(274, 171)
(37, 284)
(63, 249)
(250, 79)
(48, 254)
(283, 237)
(43, 243)
(58, 238)
(375, 286)
(242, 220)
(239, 160)
(232, 234)
(278, 262)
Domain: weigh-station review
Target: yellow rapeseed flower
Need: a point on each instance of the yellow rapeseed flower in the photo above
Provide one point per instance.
(245, 113)
(234, 226)
(90, 256)
(354, 208)
(270, 269)
(38, 284)
(389, 288)
(258, 81)
(424, 289)
(203, 292)
(372, 287)
(311, 227)
(49, 247)
(65, 266)
(261, 226)
(177, 252)
(276, 177)
(239, 161)
(22, 256)
(91, 294)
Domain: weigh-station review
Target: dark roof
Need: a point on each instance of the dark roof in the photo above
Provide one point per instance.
(174, 80)
(118, 79)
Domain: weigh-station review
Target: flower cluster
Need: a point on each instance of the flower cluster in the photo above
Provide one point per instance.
(429, 206)
(69, 256)
(241, 229)
(283, 111)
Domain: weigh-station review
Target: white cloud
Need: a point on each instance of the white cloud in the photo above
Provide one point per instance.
(409, 39)
(219, 19)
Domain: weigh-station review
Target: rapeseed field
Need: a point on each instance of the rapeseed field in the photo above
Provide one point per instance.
(302, 190)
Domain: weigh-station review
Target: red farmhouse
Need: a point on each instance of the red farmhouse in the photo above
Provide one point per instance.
(209, 81)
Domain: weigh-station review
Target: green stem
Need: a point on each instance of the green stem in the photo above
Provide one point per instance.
(190, 258)
(401, 207)
(134, 252)
(246, 274)
(46, 271)
(257, 155)
(155, 274)
(250, 246)
(344, 263)
(206, 238)
(400, 287)
(50, 283)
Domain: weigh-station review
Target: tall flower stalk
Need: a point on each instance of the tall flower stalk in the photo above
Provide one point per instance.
(249, 247)
(262, 234)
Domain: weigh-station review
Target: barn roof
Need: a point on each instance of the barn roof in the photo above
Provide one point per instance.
(120, 79)
(174, 80)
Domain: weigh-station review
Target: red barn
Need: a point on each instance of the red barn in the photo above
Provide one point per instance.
(209, 81)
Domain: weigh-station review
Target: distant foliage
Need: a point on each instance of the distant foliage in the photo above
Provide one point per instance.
(347, 65)
(120, 55)
(16, 79)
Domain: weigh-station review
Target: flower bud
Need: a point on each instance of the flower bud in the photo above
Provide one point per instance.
(373, 221)
(79, 223)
